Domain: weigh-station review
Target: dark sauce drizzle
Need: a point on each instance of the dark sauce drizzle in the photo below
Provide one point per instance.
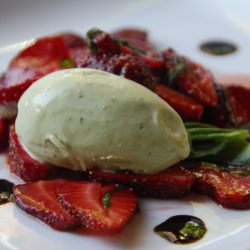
(6, 191)
(182, 229)
(218, 48)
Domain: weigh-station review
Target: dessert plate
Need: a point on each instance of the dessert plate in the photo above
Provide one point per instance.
(183, 25)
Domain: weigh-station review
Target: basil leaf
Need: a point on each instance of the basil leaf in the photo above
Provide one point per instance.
(193, 230)
(91, 34)
(67, 63)
(133, 48)
(180, 66)
(219, 144)
(106, 199)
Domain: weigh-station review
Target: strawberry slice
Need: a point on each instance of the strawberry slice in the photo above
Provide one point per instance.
(131, 33)
(239, 101)
(4, 133)
(39, 200)
(190, 78)
(46, 55)
(126, 65)
(103, 43)
(187, 108)
(105, 209)
(197, 82)
(233, 107)
(228, 190)
(13, 93)
(136, 37)
(21, 163)
(171, 183)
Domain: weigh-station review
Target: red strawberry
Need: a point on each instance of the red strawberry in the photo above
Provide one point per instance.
(233, 108)
(104, 43)
(4, 133)
(22, 165)
(226, 189)
(239, 101)
(126, 65)
(172, 183)
(191, 78)
(186, 107)
(13, 93)
(136, 37)
(105, 209)
(39, 200)
(197, 82)
(41, 58)
(131, 33)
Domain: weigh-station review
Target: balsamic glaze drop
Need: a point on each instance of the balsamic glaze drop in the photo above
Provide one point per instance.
(218, 48)
(181, 229)
(6, 191)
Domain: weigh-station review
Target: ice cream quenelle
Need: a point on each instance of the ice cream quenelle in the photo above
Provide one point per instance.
(85, 118)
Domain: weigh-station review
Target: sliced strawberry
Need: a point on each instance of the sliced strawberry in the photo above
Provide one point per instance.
(39, 200)
(22, 165)
(191, 78)
(136, 37)
(197, 82)
(186, 107)
(13, 93)
(226, 189)
(105, 209)
(126, 65)
(131, 33)
(4, 133)
(233, 108)
(105, 43)
(239, 101)
(172, 183)
(154, 62)
(41, 58)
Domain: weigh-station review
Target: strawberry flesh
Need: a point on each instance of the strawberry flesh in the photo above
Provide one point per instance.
(126, 65)
(22, 165)
(171, 183)
(197, 82)
(39, 200)
(37, 60)
(228, 190)
(136, 37)
(83, 200)
(187, 108)
(233, 107)
(190, 78)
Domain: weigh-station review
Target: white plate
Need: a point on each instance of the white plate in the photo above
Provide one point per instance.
(180, 24)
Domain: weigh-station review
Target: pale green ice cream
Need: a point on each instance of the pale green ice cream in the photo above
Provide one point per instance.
(83, 118)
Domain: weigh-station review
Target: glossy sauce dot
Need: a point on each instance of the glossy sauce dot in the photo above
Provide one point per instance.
(181, 229)
(218, 48)
(6, 191)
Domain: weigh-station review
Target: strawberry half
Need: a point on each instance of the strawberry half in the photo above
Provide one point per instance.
(187, 108)
(105, 209)
(39, 200)
(228, 190)
(171, 183)
(21, 163)
(4, 133)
